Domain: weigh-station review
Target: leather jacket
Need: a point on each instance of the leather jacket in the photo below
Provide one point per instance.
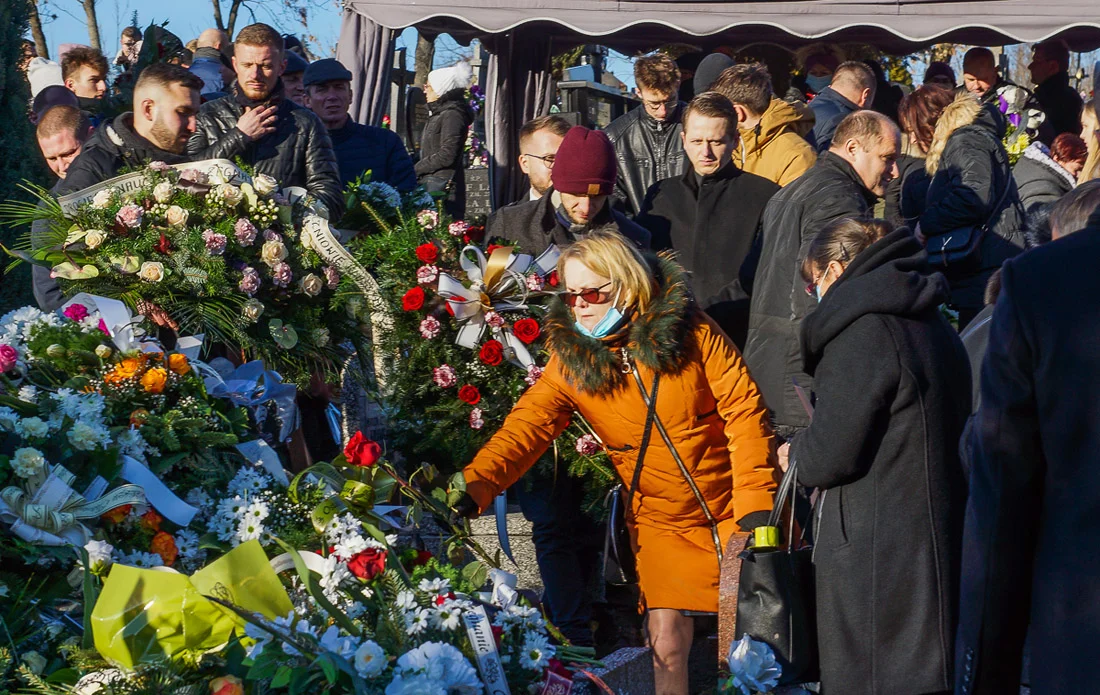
(648, 151)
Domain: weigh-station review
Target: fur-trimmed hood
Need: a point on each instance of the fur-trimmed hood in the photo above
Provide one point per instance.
(1040, 154)
(965, 111)
(655, 339)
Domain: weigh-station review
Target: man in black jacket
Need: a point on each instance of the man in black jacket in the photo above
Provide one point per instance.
(166, 101)
(852, 89)
(1061, 103)
(845, 182)
(583, 177)
(268, 131)
(647, 140)
(711, 215)
(1028, 565)
(359, 147)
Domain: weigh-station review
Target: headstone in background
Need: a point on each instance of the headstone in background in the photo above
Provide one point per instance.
(729, 580)
(626, 672)
(416, 112)
(478, 200)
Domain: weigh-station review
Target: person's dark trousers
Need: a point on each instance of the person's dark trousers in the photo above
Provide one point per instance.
(567, 546)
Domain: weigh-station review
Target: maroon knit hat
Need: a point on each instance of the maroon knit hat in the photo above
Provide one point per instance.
(584, 163)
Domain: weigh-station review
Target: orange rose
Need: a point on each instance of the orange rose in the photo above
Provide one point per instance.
(151, 520)
(116, 515)
(178, 364)
(226, 685)
(164, 545)
(138, 417)
(154, 380)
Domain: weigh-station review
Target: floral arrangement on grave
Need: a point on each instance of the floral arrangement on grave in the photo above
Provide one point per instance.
(1024, 119)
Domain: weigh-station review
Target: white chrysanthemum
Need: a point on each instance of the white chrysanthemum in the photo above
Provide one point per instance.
(132, 444)
(415, 685)
(257, 511)
(33, 427)
(248, 481)
(536, 653)
(370, 659)
(187, 544)
(443, 663)
(350, 546)
(418, 621)
(28, 394)
(406, 600)
(86, 437)
(199, 498)
(249, 530)
(447, 617)
(435, 586)
(334, 574)
(28, 462)
(142, 560)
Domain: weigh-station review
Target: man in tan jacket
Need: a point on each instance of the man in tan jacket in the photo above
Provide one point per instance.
(773, 131)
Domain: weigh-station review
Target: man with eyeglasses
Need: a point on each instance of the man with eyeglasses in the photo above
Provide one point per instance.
(647, 140)
(539, 140)
(581, 180)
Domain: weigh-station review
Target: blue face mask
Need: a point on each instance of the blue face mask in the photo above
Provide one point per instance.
(818, 84)
(604, 326)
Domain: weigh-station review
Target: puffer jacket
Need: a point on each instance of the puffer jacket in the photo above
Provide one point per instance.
(443, 146)
(1039, 178)
(777, 148)
(648, 151)
(298, 153)
(709, 406)
(828, 191)
(830, 107)
(906, 194)
(972, 185)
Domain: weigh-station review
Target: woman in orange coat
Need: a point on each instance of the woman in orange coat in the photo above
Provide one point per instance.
(626, 313)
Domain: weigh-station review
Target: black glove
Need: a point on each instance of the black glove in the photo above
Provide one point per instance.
(754, 519)
(464, 508)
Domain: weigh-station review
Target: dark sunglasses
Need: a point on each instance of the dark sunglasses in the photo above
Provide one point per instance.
(590, 296)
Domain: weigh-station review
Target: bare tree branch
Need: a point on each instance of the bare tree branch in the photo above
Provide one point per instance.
(218, 15)
(93, 23)
(233, 10)
(425, 55)
(36, 32)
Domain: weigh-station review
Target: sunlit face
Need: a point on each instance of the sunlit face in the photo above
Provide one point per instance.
(60, 149)
(659, 105)
(295, 91)
(877, 164)
(330, 101)
(258, 69)
(581, 209)
(708, 143)
(87, 82)
(975, 84)
(537, 158)
(578, 278)
(171, 115)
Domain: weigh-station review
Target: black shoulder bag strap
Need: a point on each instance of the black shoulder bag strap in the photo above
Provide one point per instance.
(651, 404)
(650, 416)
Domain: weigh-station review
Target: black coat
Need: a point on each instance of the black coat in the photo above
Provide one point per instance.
(1029, 548)
(298, 153)
(906, 194)
(974, 186)
(535, 224)
(829, 107)
(711, 222)
(828, 191)
(361, 148)
(443, 147)
(1061, 103)
(648, 151)
(111, 147)
(892, 397)
(1039, 179)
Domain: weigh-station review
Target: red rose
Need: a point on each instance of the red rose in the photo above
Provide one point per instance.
(491, 248)
(368, 564)
(498, 634)
(475, 232)
(469, 394)
(492, 353)
(413, 299)
(427, 253)
(361, 451)
(422, 557)
(552, 278)
(526, 330)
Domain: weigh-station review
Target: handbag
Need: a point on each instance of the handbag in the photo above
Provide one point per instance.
(960, 249)
(775, 598)
(434, 183)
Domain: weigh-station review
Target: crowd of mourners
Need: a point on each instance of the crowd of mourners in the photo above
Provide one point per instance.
(750, 283)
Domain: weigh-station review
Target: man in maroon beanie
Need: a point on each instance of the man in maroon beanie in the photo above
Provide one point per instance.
(583, 176)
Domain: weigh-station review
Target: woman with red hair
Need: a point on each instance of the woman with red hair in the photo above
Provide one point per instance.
(1044, 175)
(918, 113)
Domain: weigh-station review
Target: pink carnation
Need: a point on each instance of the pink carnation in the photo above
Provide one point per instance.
(215, 243)
(427, 274)
(281, 275)
(533, 374)
(534, 282)
(428, 219)
(193, 175)
(458, 228)
(476, 422)
(430, 327)
(272, 235)
(8, 358)
(587, 445)
(332, 277)
(159, 166)
(130, 216)
(77, 312)
(494, 319)
(250, 283)
(103, 327)
(445, 376)
(245, 232)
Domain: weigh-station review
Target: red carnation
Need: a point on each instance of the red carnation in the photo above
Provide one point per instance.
(498, 634)
(552, 278)
(413, 299)
(475, 232)
(492, 353)
(368, 564)
(422, 558)
(427, 253)
(362, 452)
(469, 394)
(526, 330)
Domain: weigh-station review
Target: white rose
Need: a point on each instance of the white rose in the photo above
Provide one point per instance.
(99, 554)
(163, 191)
(273, 253)
(370, 659)
(176, 216)
(28, 462)
(229, 193)
(151, 271)
(94, 238)
(103, 351)
(311, 285)
(264, 185)
(102, 199)
(306, 238)
(253, 309)
(217, 177)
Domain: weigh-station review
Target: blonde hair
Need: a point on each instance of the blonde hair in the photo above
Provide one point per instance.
(607, 252)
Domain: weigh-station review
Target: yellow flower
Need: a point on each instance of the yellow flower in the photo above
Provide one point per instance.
(178, 363)
(154, 380)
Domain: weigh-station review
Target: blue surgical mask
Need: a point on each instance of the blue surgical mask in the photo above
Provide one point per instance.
(817, 293)
(604, 326)
(818, 84)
